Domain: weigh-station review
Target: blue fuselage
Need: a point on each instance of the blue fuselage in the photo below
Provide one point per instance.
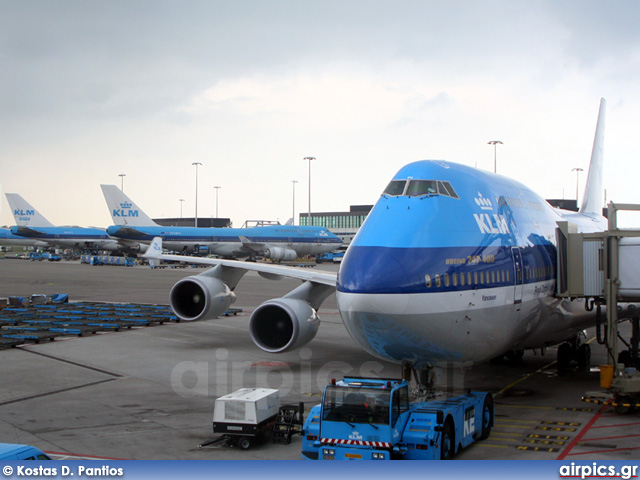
(235, 241)
(67, 237)
(454, 254)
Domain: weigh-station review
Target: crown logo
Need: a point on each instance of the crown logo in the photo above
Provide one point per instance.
(125, 205)
(483, 203)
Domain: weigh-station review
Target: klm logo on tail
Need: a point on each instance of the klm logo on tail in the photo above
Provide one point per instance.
(23, 213)
(125, 211)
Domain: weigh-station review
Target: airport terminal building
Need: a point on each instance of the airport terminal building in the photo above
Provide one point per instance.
(343, 224)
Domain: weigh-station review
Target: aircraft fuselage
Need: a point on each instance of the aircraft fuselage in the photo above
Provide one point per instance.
(456, 264)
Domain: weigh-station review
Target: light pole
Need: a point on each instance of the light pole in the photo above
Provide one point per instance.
(217, 188)
(196, 164)
(181, 200)
(122, 175)
(495, 163)
(309, 217)
(294, 200)
(577, 170)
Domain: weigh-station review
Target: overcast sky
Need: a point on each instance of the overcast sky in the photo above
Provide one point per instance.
(93, 89)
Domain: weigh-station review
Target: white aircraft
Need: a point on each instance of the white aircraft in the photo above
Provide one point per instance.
(453, 264)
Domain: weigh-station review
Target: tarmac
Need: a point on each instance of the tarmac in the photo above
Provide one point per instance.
(149, 392)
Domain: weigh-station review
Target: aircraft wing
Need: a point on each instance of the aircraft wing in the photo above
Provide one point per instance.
(273, 272)
(27, 232)
(130, 232)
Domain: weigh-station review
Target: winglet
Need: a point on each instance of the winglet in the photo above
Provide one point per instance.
(593, 198)
(155, 249)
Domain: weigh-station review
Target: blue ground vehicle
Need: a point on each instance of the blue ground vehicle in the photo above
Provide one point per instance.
(335, 257)
(372, 419)
(15, 451)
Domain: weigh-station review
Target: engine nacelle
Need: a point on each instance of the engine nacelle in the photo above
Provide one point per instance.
(283, 324)
(200, 297)
(280, 253)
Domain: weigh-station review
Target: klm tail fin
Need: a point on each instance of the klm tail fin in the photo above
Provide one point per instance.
(123, 210)
(593, 198)
(24, 213)
(155, 249)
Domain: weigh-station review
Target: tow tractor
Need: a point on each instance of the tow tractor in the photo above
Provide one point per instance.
(373, 419)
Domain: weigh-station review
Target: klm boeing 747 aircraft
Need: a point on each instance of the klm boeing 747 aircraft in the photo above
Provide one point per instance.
(32, 225)
(453, 264)
(276, 242)
(8, 238)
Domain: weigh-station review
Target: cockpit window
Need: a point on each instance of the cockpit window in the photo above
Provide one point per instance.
(395, 187)
(420, 188)
(446, 187)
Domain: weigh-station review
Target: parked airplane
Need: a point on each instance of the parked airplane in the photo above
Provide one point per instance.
(32, 225)
(276, 242)
(453, 264)
(8, 238)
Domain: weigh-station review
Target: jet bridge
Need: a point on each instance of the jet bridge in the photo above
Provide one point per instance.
(604, 268)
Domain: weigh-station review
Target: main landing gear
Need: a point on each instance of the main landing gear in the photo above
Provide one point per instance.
(573, 350)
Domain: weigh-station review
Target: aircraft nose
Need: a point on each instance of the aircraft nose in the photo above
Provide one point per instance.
(375, 270)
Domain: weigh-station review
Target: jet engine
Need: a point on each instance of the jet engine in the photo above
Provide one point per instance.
(200, 297)
(280, 253)
(283, 324)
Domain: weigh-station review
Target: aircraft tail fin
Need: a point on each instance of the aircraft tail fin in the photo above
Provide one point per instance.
(123, 210)
(24, 214)
(593, 198)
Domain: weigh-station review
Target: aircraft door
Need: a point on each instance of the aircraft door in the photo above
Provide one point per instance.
(518, 277)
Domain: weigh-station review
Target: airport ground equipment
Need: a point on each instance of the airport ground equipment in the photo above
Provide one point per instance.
(246, 416)
(373, 419)
(604, 268)
(334, 257)
(23, 321)
(289, 422)
(99, 260)
(15, 451)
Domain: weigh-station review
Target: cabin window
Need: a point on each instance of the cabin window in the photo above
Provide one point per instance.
(462, 275)
(454, 279)
(446, 280)
(475, 278)
(427, 279)
(438, 283)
